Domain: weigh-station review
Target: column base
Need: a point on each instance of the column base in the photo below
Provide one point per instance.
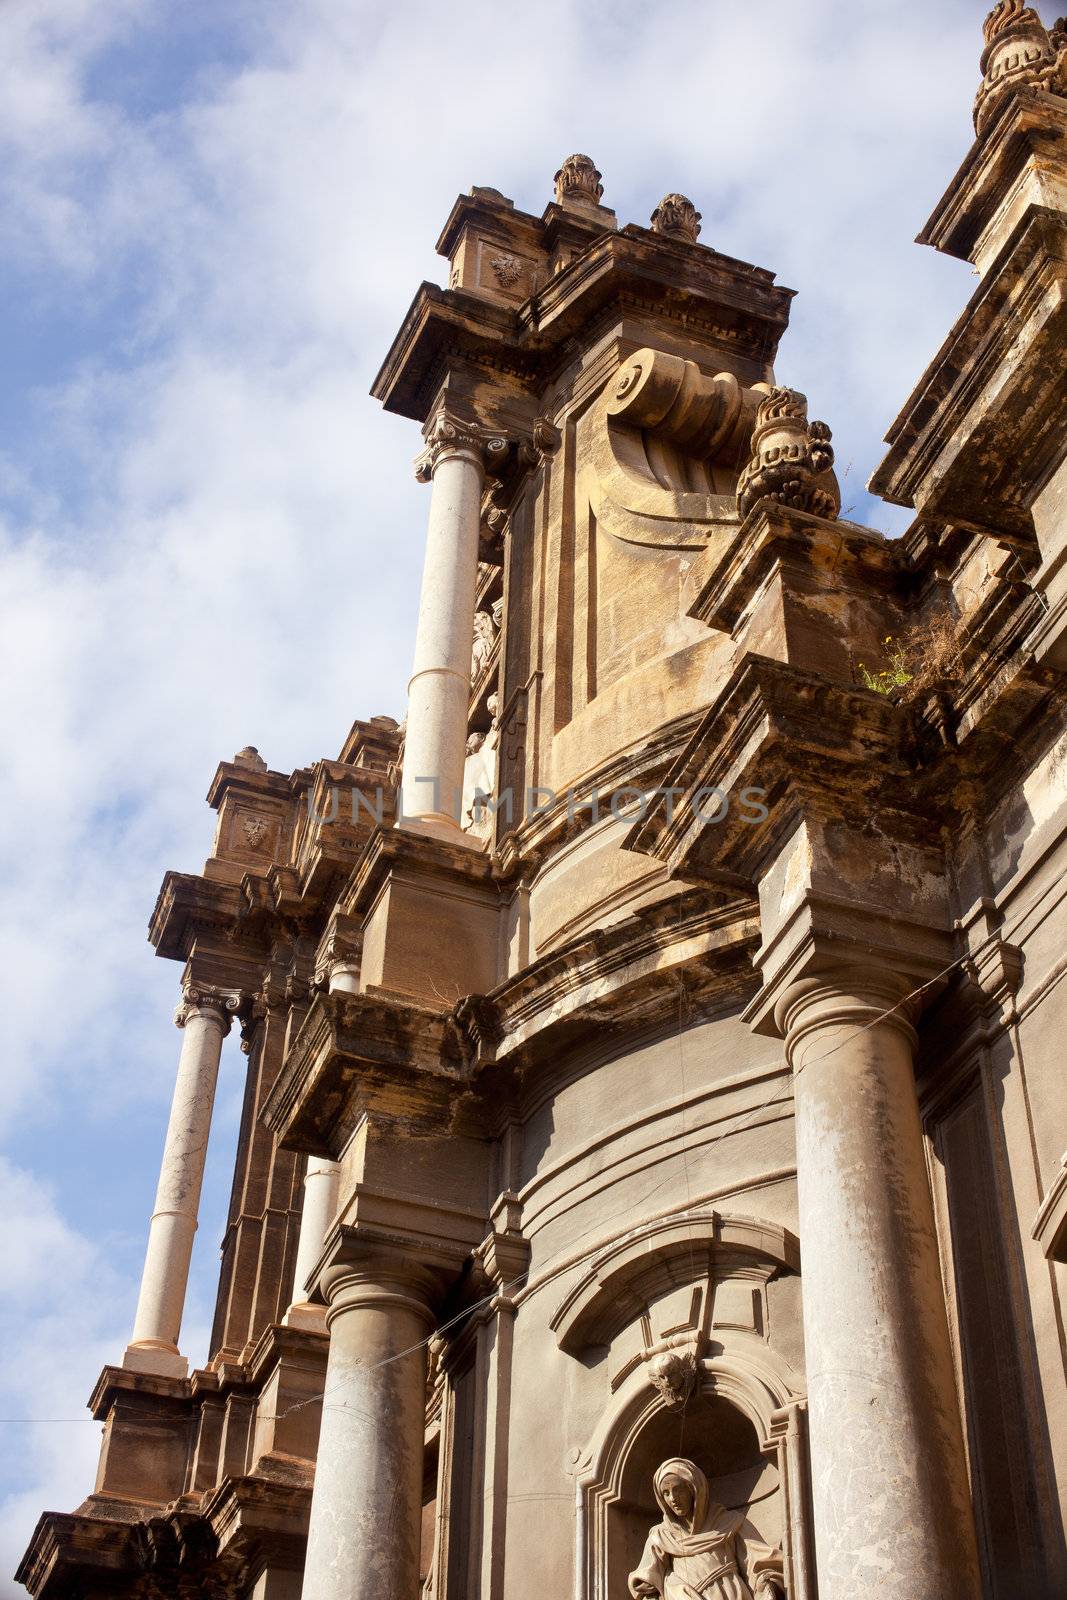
(444, 828)
(166, 1361)
(303, 1314)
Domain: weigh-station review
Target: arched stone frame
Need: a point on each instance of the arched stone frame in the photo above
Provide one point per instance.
(747, 1374)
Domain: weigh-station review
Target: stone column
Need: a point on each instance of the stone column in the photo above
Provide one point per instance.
(889, 1479)
(321, 1182)
(439, 691)
(366, 1507)
(205, 1016)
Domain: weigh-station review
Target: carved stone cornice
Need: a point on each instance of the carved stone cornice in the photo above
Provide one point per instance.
(727, 306)
(623, 976)
(784, 564)
(189, 906)
(200, 999)
(355, 1053)
(984, 423)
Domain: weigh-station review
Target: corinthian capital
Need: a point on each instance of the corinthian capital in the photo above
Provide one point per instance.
(449, 436)
(201, 999)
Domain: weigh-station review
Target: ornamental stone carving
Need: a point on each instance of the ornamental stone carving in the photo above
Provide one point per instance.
(255, 831)
(700, 1548)
(791, 461)
(199, 997)
(447, 436)
(485, 631)
(676, 218)
(1020, 52)
(507, 270)
(673, 1374)
(578, 179)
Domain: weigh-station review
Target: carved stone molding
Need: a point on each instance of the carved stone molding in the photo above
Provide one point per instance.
(664, 428)
(677, 218)
(448, 436)
(1020, 52)
(578, 179)
(198, 998)
(792, 459)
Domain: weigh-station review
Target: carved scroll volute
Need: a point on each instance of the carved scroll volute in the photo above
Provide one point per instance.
(709, 417)
(667, 442)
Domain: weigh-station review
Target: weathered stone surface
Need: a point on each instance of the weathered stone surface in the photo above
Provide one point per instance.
(700, 1098)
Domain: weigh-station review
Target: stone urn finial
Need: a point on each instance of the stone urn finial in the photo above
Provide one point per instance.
(1020, 53)
(578, 180)
(676, 218)
(250, 757)
(792, 459)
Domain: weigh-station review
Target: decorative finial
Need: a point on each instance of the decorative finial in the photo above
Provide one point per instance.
(250, 757)
(1003, 15)
(792, 459)
(578, 179)
(1020, 53)
(676, 218)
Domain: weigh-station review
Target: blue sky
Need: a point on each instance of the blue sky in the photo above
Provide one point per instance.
(213, 220)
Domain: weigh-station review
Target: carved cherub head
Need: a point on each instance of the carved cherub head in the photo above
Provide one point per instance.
(674, 1375)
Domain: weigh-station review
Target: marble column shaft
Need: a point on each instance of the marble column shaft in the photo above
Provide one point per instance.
(439, 691)
(204, 1016)
(366, 1507)
(891, 1500)
(321, 1182)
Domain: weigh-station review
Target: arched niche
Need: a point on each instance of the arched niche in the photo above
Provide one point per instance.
(663, 1256)
(743, 1420)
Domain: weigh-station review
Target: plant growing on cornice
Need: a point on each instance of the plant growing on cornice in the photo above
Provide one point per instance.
(925, 660)
(895, 676)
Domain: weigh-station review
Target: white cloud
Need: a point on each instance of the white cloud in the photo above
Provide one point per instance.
(60, 1313)
(215, 537)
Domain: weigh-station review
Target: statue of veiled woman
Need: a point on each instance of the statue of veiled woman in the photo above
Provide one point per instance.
(701, 1551)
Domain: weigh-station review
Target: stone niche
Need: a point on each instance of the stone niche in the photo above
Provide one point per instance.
(677, 1315)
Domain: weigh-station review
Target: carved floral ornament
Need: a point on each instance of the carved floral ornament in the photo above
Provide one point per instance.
(1020, 52)
(792, 459)
(507, 270)
(255, 831)
(578, 179)
(676, 218)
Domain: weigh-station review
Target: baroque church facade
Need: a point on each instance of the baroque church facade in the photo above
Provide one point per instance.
(651, 1174)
